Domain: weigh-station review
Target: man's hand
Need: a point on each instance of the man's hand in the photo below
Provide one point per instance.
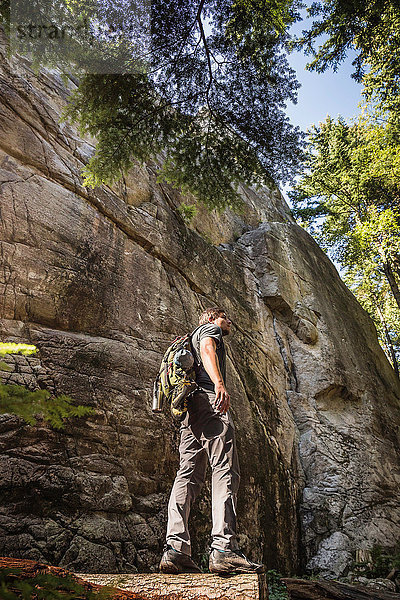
(222, 398)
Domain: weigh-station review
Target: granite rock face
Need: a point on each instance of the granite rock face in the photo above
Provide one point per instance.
(101, 281)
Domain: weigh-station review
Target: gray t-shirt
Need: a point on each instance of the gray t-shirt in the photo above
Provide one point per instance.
(215, 332)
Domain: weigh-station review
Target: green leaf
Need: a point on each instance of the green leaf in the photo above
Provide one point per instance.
(348, 199)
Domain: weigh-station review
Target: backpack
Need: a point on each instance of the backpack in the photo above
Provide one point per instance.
(176, 378)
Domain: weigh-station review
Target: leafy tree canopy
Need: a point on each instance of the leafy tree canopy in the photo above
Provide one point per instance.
(210, 103)
(369, 27)
(349, 200)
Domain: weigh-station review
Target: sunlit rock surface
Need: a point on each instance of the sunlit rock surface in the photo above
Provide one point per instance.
(101, 281)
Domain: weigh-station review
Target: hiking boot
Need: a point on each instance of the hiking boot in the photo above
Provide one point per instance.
(232, 561)
(176, 562)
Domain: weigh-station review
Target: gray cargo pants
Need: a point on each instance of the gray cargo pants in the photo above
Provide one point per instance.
(205, 434)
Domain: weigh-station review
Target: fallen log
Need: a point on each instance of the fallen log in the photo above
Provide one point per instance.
(301, 589)
(152, 586)
(204, 586)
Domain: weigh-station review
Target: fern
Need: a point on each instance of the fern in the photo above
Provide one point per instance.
(45, 586)
(18, 400)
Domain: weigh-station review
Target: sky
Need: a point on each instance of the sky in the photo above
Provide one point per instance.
(321, 94)
(333, 93)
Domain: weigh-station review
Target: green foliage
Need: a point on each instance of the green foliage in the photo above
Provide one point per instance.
(203, 562)
(212, 101)
(11, 348)
(373, 292)
(382, 77)
(276, 589)
(45, 586)
(371, 28)
(382, 562)
(18, 400)
(188, 211)
(204, 85)
(76, 36)
(349, 200)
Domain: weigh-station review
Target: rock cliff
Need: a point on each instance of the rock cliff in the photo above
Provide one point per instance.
(101, 281)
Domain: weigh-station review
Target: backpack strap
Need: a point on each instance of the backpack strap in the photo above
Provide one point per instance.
(197, 359)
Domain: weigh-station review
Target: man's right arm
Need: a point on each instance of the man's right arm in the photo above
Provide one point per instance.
(210, 362)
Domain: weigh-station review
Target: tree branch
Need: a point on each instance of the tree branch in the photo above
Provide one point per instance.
(207, 51)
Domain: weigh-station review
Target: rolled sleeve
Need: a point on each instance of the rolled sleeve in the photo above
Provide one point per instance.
(212, 331)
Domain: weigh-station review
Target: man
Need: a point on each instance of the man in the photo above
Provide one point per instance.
(207, 433)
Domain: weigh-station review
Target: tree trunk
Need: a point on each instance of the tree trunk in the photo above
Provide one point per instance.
(392, 281)
(299, 589)
(396, 264)
(388, 340)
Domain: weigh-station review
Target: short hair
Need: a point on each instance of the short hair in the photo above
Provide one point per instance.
(210, 313)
